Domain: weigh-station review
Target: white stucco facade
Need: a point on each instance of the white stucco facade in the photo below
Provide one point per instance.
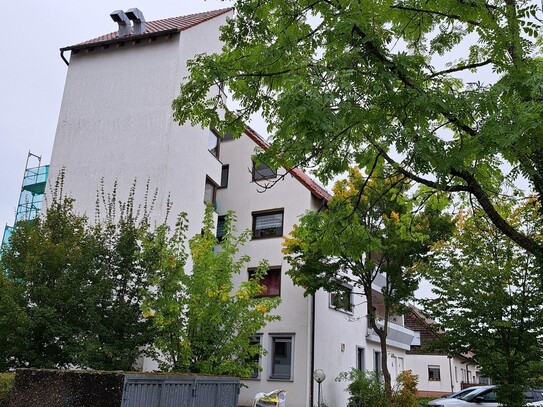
(116, 125)
(440, 374)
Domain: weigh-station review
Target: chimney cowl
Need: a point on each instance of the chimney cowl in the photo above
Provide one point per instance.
(125, 27)
(137, 18)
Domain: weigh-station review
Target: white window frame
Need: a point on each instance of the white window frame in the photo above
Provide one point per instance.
(435, 368)
(283, 337)
(361, 361)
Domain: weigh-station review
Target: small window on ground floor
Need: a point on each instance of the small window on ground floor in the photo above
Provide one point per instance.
(256, 340)
(282, 347)
(377, 362)
(434, 373)
(360, 359)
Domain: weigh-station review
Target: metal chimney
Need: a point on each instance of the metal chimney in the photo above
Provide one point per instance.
(125, 27)
(136, 16)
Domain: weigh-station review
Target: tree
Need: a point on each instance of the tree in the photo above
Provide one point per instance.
(371, 227)
(74, 290)
(489, 299)
(45, 267)
(340, 82)
(204, 324)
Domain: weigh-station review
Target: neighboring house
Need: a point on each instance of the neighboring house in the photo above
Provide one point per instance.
(116, 125)
(439, 373)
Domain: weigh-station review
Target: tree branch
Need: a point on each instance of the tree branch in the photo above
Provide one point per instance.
(438, 13)
(482, 197)
(393, 68)
(461, 68)
(408, 174)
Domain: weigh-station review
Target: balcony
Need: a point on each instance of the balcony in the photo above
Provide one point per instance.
(398, 336)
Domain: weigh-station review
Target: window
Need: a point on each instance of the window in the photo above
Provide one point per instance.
(221, 223)
(360, 359)
(255, 340)
(434, 373)
(210, 192)
(271, 281)
(213, 143)
(262, 171)
(227, 137)
(341, 299)
(377, 366)
(224, 176)
(456, 374)
(281, 357)
(489, 395)
(267, 224)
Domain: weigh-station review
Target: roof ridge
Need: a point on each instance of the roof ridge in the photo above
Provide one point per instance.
(218, 11)
(153, 28)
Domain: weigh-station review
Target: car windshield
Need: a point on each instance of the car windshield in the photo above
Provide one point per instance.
(486, 394)
(462, 393)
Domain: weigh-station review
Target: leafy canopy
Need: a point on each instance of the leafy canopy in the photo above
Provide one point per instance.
(372, 227)
(445, 91)
(72, 291)
(203, 323)
(488, 298)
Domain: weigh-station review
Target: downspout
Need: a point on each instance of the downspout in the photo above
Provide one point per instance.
(63, 58)
(312, 364)
(450, 374)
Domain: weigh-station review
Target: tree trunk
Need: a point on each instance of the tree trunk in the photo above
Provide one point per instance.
(382, 333)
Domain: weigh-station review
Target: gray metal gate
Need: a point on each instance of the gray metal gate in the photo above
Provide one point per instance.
(142, 390)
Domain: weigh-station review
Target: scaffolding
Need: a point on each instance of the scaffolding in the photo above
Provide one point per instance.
(32, 193)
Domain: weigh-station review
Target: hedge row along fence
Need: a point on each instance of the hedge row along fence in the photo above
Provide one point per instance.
(64, 388)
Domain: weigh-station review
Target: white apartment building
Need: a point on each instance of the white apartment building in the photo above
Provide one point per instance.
(116, 125)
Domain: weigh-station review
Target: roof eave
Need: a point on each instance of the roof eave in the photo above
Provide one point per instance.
(120, 40)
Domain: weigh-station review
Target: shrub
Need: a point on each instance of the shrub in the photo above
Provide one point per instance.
(6, 384)
(366, 388)
(405, 393)
(423, 401)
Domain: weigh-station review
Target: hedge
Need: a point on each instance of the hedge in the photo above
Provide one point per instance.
(61, 388)
(6, 384)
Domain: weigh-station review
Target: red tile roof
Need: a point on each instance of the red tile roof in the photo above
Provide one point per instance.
(297, 173)
(153, 28)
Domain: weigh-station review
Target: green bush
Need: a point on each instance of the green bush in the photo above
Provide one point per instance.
(6, 384)
(423, 401)
(405, 393)
(366, 389)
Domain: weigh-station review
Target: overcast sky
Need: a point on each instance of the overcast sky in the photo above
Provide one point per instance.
(32, 73)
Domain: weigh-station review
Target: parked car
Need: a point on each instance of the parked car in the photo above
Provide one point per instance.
(485, 396)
